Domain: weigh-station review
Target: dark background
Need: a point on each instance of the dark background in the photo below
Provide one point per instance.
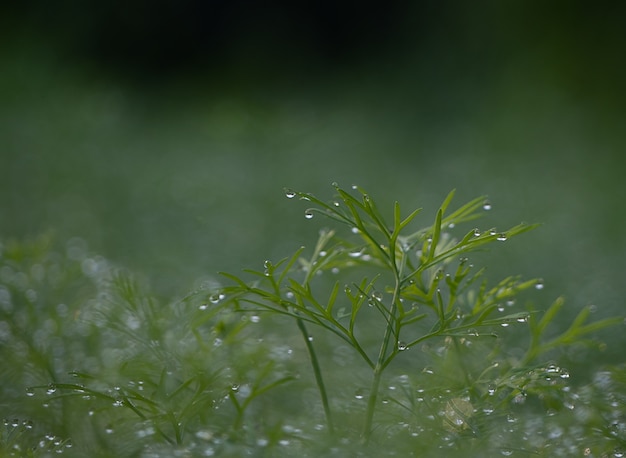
(162, 133)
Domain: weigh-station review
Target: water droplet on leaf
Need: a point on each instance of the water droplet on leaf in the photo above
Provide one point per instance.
(308, 214)
(486, 205)
(289, 193)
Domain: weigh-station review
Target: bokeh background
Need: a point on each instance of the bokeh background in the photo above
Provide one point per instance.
(162, 133)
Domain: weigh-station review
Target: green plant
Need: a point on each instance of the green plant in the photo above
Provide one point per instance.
(422, 287)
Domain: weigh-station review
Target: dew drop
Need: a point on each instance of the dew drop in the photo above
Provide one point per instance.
(553, 368)
(506, 452)
(356, 254)
(214, 298)
(491, 389)
(520, 398)
(262, 442)
(522, 319)
(539, 284)
(30, 391)
(486, 205)
(355, 230)
(402, 346)
(289, 193)
(52, 388)
(504, 325)
(501, 237)
(308, 214)
(476, 232)
(255, 318)
(108, 429)
(203, 306)
(359, 394)
(355, 187)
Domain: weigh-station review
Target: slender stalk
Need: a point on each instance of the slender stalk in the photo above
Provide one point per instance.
(318, 374)
(380, 365)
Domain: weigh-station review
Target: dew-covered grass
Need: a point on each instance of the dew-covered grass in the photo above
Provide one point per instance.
(344, 348)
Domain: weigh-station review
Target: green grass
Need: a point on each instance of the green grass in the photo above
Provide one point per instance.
(382, 338)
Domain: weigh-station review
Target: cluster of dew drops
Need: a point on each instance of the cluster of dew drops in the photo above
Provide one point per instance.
(48, 442)
(308, 213)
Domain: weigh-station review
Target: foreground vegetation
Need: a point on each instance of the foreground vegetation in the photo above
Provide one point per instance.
(382, 338)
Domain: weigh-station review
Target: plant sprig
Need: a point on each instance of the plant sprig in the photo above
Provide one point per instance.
(413, 263)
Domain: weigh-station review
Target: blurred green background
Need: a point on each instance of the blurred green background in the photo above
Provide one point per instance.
(162, 133)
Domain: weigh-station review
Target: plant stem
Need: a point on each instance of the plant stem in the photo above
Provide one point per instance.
(318, 374)
(380, 365)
